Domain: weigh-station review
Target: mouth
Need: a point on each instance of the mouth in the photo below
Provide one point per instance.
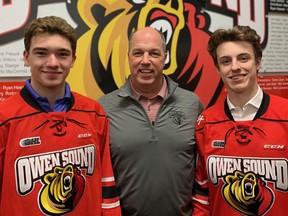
(237, 77)
(145, 71)
(52, 72)
(248, 189)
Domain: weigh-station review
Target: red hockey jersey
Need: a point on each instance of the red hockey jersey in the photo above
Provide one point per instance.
(242, 165)
(55, 163)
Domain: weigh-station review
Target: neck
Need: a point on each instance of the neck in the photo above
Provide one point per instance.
(240, 99)
(147, 91)
(52, 94)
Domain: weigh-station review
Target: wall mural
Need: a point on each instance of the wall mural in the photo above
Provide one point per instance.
(103, 28)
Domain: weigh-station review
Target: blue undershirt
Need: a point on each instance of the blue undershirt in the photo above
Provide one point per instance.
(60, 105)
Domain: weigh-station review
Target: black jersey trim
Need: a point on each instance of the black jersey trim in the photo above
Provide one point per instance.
(18, 117)
(109, 192)
(32, 102)
(89, 111)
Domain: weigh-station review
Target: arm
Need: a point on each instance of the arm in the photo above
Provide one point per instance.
(110, 200)
(3, 142)
(200, 198)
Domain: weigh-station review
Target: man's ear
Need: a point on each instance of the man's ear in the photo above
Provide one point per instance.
(25, 58)
(74, 59)
(258, 65)
(217, 69)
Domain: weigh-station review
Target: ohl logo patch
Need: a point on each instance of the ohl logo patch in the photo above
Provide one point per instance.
(62, 190)
(247, 193)
(30, 141)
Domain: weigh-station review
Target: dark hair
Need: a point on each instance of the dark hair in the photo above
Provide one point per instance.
(237, 33)
(50, 25)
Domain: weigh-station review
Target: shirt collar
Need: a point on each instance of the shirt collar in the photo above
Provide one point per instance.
(36, 96)
(162, 93)
(254, 101)
(60, 105)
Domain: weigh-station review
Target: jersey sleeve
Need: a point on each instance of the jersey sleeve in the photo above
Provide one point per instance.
(110, 200)
(3, 142)
(2, 155)
(200, 190)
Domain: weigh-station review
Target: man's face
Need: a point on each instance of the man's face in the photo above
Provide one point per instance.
(238, 68)
(50, 59)
(146, 60)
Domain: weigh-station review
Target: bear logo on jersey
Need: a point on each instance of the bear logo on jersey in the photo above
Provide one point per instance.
(247, 193)
(62, 190)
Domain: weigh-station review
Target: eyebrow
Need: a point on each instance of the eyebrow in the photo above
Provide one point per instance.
(144, 49)
(45, 49)
(223, 57)
(240, 54)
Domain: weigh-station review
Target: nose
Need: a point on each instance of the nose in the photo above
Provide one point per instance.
(146, 59)
(52, 61)
(235, 65)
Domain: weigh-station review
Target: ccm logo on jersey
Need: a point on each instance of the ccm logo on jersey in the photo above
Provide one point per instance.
(30, 141)
(84, 135)
(274, 146)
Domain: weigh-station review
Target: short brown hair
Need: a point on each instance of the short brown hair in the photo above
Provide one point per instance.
(237, 33)
(50, 25)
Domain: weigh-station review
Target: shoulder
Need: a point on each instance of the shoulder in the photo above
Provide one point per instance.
(83, 102)
(111, 100)
(218, 107)
(186, 93)
(278, 105)
(108, 97)
(278, 99)
(186, 96)
(180, 93)
(14, 106)
(215, 113)
(79, 98)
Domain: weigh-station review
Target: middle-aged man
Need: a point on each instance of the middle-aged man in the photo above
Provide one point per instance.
(152, 133)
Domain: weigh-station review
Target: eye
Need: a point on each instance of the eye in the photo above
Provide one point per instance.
(64, 54)
(137, 53)
(225, 61)
(41, 53)
(155, 54)
(244, 59)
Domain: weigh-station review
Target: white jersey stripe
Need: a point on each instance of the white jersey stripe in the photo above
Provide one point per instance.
(108, 179)
(110, 205)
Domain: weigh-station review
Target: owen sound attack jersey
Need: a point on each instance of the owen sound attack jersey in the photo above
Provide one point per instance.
(242, 166)
(55, 163)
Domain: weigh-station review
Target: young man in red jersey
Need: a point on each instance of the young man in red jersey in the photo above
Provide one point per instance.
(54, 143)
(242, 141)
